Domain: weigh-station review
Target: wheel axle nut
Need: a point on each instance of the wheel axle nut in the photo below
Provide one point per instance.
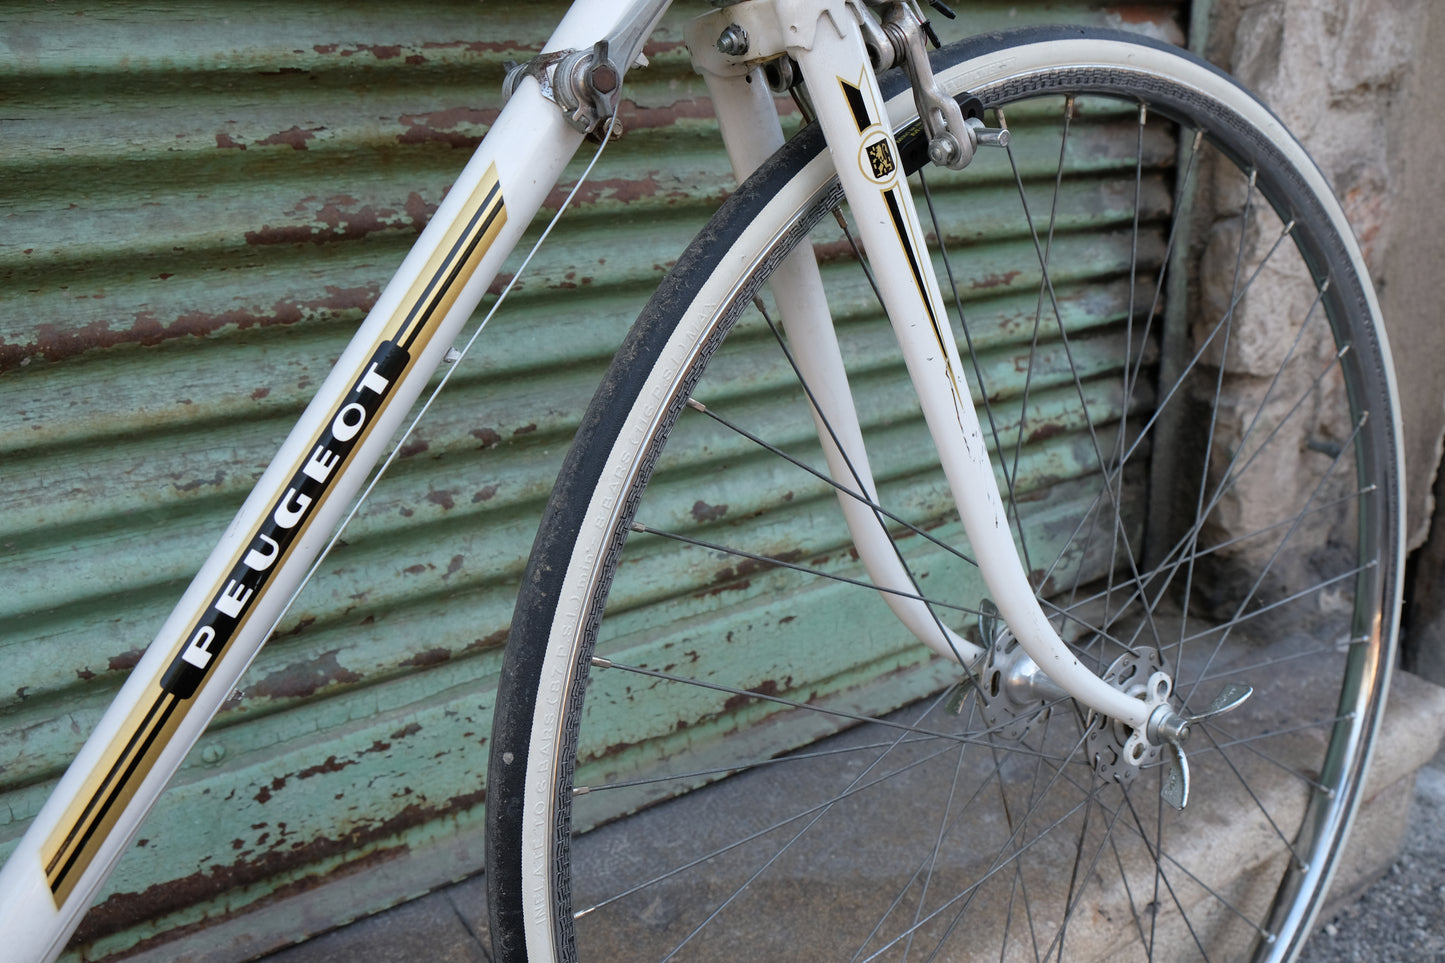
(1166, 725)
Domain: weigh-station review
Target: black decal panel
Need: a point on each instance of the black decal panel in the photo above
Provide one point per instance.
(132, 750)
(856, 104)
(232, 604)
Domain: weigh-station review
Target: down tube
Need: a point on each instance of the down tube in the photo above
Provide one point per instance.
(850, 110)
(225, 615)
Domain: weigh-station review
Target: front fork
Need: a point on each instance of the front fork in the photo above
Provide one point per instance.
(827, 41)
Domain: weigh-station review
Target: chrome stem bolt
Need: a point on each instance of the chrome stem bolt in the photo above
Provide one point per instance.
(733, 41)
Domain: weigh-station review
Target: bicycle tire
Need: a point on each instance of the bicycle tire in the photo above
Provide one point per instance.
(1289, 579)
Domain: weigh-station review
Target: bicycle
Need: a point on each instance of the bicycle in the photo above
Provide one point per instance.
(1123, 707)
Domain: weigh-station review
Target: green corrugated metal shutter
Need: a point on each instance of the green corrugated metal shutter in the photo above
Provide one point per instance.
(198, 203)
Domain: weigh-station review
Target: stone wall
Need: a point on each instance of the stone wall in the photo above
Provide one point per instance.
(1359, 82)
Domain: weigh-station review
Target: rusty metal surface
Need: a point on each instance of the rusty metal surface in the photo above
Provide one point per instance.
(198, 204)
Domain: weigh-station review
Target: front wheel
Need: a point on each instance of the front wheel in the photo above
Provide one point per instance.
(1179, 363)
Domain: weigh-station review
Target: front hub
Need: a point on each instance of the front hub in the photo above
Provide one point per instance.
(1116, 751)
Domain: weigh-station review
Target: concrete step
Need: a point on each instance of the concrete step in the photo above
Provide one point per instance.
(449, 924)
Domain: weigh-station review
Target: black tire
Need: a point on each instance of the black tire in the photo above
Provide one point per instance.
(1192, 492)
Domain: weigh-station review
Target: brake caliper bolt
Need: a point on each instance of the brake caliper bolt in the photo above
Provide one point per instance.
(733, 41)
(942, 150)
(604, 78)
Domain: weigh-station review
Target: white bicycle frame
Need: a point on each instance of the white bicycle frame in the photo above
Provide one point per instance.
(241, 592)
(825, 40)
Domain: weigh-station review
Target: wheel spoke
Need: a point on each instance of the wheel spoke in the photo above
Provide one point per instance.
(837, 486)
(794, 566)
(979, 738)
(1197, 472)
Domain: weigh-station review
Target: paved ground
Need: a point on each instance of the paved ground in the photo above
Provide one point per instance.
(439, 928)
(1401, 919)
